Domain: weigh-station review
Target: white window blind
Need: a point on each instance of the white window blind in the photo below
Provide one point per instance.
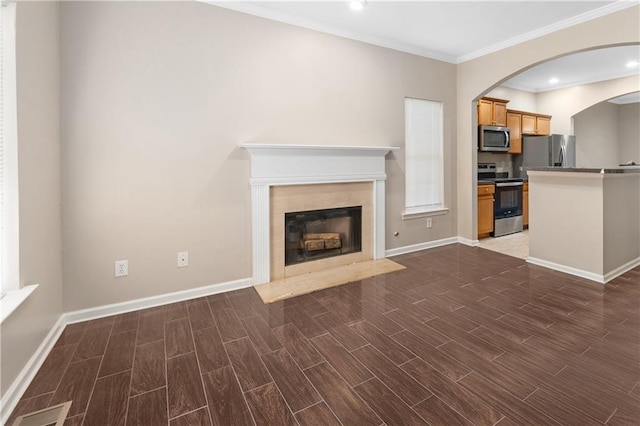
(424, 161)
(8, 152)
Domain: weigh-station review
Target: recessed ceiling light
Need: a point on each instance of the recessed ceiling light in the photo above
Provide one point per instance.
(357, 4)
(554, 80)
(632, 64)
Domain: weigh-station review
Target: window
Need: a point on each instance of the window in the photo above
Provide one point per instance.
(8, 153)
(424, 158)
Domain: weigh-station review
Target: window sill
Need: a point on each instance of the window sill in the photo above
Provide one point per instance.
(424, 213)
(14, 298)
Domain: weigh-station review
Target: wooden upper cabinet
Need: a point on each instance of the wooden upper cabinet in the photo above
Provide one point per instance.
(492, 112)
(528, 124)
(543, 125)
(500, 113)
(485, 112)
(514, 123)
(533, 124)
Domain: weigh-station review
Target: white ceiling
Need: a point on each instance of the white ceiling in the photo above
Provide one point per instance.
(457, 31)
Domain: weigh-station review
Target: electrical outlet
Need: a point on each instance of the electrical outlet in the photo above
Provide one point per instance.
(429, 222)
(183, 259)
(122, 268)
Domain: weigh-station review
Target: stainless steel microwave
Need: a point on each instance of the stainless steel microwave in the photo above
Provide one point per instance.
(493, 138)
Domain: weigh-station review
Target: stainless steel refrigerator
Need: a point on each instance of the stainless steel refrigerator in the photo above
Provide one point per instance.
(546, 151)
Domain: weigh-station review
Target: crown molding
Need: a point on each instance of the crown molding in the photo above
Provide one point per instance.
(599, 79)
(575, 20)
(264, 12)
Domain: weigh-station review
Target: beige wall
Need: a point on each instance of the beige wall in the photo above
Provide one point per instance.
(594, 226)
(596, 131)
(563, 104)
(621, 221)
(155, 99)
(570, 233)
(478, 76)
(518, 99)
(629, 132)
(39, 174)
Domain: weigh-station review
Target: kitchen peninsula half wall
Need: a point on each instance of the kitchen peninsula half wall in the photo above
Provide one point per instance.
(585, 222)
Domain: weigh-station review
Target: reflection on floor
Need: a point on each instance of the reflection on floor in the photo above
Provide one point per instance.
(516, 245)
(461, 336)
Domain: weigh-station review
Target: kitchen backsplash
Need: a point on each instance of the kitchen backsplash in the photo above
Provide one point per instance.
(503, 162)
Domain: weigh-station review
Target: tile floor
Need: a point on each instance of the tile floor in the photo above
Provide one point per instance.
(462, 336)
(516, 245)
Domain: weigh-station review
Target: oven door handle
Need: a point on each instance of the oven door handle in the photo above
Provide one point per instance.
(502, 184)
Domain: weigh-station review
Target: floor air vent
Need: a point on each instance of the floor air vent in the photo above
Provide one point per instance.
(51, 416)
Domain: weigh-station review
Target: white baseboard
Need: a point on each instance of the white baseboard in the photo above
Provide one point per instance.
(150, 302)
(621, 269)
(422, 246)
(567, 269)
(468, 242)
(21, 383)
(599, 278)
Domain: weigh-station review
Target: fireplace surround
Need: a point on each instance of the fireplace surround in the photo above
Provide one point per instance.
(291, 178)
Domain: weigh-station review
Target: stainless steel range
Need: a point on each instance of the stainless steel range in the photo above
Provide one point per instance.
(507, 204)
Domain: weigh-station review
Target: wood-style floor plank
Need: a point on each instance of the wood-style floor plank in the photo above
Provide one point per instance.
(149, 367)
(76, 385)
(393, 376)
(463, 401)
(119, 353)
(387, 405)
(342, 361)
(318, 414)
(150, 327)
(229, 325)
(291, 381)
(149, 408)
(210, 349)
(436, 412)
(108, 404)
(268, 407)
(340, 397)
(178, 338)
(298, 346)
(50, 374)
(195, 418)
(184, 386)
(247, 364)
(226, 401)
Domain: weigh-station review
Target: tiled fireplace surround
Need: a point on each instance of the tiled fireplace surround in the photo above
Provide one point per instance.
(287, 178)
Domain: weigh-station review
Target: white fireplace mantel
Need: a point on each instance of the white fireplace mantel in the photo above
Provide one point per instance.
(275, 164)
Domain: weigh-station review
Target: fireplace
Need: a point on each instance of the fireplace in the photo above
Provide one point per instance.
(304, 178)
(319, 234)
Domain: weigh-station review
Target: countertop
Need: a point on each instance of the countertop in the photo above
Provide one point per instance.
(622, 169)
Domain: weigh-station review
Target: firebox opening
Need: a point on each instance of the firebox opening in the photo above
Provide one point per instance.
(318, 234)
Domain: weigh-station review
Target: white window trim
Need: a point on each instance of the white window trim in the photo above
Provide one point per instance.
(414, 212)
(418, 213)
(12, 299)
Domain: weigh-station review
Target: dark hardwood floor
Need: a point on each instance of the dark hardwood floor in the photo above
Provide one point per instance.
(462, 336)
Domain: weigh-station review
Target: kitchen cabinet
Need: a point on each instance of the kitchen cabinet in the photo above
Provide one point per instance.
(492, 112)
(525, 204)
(535, 124)
(543, 125)
(485, 210)
(514, 123)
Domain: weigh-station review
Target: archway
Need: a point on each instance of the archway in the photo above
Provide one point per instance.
(478, 76)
